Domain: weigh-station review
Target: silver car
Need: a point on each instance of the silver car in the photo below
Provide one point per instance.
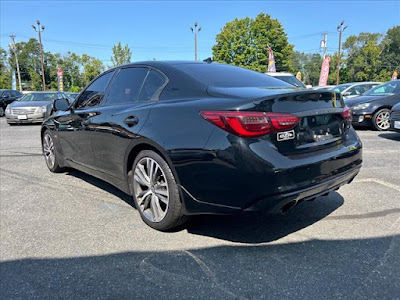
(354, 89)
(34, 107)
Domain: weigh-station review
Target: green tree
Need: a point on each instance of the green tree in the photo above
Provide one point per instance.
(309, 65)
(121, 55)
(244, 42)
(390, 56)
(5, 73)
(91, 68)
(363, 56)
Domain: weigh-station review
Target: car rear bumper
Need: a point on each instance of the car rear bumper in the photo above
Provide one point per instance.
(254, 175)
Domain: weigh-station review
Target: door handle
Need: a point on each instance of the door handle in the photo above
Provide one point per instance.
(131, 121)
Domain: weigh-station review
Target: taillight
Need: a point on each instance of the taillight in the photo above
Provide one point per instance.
(346, 113)
(250, 124)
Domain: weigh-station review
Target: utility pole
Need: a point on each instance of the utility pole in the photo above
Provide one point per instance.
(340, 28)
(195, 31)
(324, 45)
(40, 29)
(14, 48)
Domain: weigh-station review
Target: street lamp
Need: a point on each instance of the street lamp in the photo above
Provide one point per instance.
(39, 30)
(195, 31)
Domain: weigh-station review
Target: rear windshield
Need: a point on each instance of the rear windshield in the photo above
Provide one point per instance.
(221, 75)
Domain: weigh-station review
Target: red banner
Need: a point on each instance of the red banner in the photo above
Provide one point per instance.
(323, 77)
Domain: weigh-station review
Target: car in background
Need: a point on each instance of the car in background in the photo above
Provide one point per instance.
(34, 107)
(185, 138)
(7, 97)
(354, 89)
(289, 78)
(71, 95)
(395, 118)
(372, 109)
(324, 87)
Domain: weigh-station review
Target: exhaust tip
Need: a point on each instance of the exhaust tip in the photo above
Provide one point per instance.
(288, 206)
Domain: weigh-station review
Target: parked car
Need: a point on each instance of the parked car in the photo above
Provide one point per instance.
(354, 89)
(395, 118)
(71, 95)
(34, 107)
(188, 138)
(373, 108)
(289, 78)
(7, 97)
(324, 87)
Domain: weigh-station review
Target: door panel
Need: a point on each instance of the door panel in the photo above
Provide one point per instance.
(111, 136)
(74, 135)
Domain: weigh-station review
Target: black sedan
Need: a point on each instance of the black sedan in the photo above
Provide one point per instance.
(188, 138)
(7, 97)
(395, 118)
(372, 109)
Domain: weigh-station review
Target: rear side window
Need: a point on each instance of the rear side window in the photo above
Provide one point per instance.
(152, 85)
(95, 91)
(127, 85)
(221, 75)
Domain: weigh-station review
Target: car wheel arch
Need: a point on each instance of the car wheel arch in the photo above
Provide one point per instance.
(144, 144)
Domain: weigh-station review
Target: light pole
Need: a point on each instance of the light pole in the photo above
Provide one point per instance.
(40, 29)
(14, 48)
(195, 31)
(340, 28)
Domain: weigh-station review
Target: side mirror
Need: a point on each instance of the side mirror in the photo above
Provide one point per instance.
(60, 104)
(346, 94)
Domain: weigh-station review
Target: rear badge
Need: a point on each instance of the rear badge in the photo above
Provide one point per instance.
(285, 135)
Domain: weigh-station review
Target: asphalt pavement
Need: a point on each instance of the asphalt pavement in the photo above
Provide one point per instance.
(72, 236)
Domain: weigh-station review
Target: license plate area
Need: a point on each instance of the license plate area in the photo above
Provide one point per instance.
(22, 117)
(313, 129)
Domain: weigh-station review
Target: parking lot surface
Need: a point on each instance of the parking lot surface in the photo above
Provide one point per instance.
(71, 236)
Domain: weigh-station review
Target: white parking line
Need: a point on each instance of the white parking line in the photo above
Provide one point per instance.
(384, 183)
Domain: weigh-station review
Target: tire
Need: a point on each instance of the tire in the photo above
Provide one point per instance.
(1, 111)
(50, 153)
(380, 119)
(155, 192)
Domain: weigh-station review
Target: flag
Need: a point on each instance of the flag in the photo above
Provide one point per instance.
(394, 76)
(271, 60)
(323, 77)
(60, 80)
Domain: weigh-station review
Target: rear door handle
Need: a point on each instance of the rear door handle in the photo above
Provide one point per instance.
(131, 121)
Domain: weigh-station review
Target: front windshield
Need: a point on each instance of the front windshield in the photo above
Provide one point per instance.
(340, 88)
(39, 97)
(386, 89)
(291, 79)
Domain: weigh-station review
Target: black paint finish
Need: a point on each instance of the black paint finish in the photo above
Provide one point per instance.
(218, 172)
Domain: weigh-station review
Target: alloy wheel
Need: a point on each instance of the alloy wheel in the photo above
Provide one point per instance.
(382, 120)
(48, 150)
(151, 189)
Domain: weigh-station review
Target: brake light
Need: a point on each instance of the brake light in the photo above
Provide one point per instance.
(250, 124)
(346, 113)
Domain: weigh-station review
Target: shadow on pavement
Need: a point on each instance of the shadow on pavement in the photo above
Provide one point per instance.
(246, 227)
(394, 136)
(262, 227)
(315, 269)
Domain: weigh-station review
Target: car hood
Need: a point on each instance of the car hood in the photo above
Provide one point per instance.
(361, 99)
(30, 103)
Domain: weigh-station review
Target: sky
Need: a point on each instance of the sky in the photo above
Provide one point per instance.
(161, 29)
